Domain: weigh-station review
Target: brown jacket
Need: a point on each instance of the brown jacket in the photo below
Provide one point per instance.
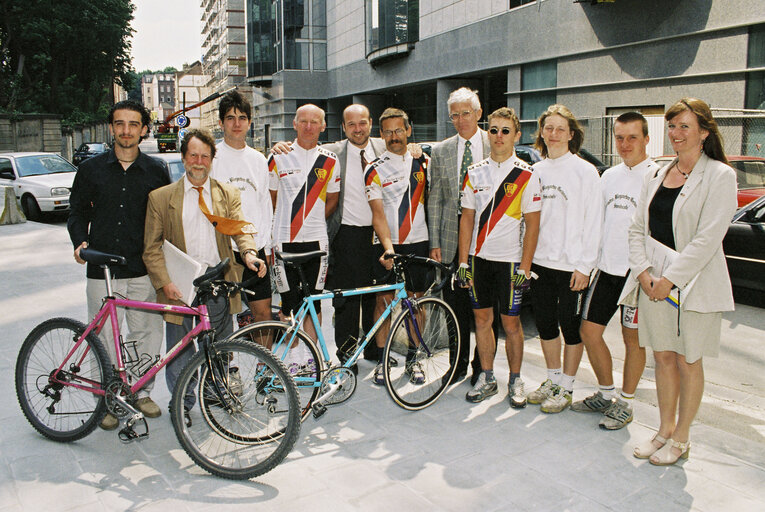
(164, 221)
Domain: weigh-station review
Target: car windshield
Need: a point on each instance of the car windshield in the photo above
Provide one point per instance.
(97, 146)
(39, 165)
(176, 170)
(749, 173)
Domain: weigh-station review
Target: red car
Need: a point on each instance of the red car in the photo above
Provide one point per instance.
(750, 174)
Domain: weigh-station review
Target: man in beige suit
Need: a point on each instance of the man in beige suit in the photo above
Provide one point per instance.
(175, 214)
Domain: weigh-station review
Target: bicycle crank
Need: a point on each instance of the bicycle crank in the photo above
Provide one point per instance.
(337, 386)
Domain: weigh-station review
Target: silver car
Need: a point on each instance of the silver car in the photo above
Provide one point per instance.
(41, 181)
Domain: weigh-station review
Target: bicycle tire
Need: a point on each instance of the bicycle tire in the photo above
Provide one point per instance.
(237, 444)
(307, 374)
(65, 413)
(436, 355)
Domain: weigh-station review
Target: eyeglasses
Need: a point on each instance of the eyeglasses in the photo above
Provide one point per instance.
(505, 130)
(398, 131)
(456, 115)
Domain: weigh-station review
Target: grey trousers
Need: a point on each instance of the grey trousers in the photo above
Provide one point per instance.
(144, 327)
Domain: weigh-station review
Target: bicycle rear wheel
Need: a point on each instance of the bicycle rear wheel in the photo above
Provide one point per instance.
(242, 425)
(57, 407)
(425, 346)
(304, 364)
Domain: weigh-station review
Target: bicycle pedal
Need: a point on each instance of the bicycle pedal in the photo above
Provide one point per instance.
(318, 410)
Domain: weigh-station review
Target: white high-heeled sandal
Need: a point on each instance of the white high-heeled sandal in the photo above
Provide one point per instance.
(647, 448)
(664, 455)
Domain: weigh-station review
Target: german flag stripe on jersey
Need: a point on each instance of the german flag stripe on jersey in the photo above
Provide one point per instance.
(316, 187)
(508, 194)
(271, 163)
(407, 209)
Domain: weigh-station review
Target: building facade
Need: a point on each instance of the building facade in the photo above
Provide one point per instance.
(599, 59)
(223, 52)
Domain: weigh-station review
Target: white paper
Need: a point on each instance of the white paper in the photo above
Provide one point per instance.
(183, 269)
(661, 257)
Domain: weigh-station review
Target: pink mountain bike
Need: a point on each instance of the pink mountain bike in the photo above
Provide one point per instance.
(246, 416)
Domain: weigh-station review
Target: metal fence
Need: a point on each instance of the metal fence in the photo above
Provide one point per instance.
(742, 130)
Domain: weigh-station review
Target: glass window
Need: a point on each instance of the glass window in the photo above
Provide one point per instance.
(518, 3)
(391, 22)
(296, 55)
(320, 56)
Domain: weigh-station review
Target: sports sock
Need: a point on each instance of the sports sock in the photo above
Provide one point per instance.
(489, 375)
(626, 398)
(567, 382)
(514, 376)
(608, 392)
(554, 375)
(380, 353)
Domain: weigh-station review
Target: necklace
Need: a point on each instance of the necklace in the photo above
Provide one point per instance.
(685, 174)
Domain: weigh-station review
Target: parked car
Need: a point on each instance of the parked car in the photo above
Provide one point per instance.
(88, 150)
(744, 246)
(531, 155)
(174, 164)
(41, 181)
(750, 175)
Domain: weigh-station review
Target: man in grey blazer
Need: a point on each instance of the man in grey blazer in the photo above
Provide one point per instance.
(449, 162)
(350, 231)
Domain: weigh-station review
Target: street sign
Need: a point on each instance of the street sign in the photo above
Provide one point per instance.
(181, 120)
(182, 133)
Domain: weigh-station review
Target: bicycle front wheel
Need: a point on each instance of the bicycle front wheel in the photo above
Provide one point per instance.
(64, 407)
(424, 342)
(235, 410)
(301, 358)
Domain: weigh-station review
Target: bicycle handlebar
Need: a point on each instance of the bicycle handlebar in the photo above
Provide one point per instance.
(407, 259)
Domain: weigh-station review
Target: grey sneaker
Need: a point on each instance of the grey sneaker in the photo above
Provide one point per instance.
(558, 401)
(379, 376)
(482, 389)
(416, 373)
(593, 403)
(516, 394)
(540, 394)
(617, 416)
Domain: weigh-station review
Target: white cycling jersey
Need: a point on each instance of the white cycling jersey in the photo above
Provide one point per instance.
(302, 179)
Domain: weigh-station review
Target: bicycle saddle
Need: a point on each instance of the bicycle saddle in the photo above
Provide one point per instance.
(298, 258)
(101, 258)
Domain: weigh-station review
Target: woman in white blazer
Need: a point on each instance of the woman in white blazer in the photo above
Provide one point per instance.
(687, 206)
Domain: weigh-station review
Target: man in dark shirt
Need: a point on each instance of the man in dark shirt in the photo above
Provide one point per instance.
(108, 202)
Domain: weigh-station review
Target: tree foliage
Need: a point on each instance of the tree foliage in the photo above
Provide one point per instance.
(61, 56)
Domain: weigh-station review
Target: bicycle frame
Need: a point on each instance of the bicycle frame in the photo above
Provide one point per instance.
(109, 311)
(307, 308)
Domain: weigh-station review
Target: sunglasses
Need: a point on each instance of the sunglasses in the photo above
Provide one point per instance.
(505, 130)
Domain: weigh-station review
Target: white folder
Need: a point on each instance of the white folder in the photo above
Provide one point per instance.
(183, 269)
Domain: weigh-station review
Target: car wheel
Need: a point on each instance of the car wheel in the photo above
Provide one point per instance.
(30, 207)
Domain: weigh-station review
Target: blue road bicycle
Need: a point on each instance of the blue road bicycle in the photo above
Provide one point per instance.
(420, 352)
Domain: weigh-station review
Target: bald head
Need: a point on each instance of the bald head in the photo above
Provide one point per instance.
(308, 123)
(357, 124)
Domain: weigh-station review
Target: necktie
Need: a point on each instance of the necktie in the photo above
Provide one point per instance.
(467, 161)
(364, 162)
(222, 224)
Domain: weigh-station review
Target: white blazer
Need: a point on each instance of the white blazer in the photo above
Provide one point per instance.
(700, 218)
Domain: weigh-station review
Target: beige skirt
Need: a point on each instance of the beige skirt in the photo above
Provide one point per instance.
(658, 329)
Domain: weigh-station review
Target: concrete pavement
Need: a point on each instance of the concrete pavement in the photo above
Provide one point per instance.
(368, 453)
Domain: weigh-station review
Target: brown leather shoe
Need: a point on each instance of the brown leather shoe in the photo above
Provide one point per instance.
(147, 406)
(109, 422)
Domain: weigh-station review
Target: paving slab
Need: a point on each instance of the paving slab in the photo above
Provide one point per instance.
(369, 454)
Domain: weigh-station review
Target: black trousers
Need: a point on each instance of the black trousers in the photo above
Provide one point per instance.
(351, 267)
(459, 300)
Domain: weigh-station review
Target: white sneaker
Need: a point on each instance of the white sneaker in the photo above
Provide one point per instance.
(516, 394)
(540, 394)
(558, 401)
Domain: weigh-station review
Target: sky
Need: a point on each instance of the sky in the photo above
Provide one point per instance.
(167, 33)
